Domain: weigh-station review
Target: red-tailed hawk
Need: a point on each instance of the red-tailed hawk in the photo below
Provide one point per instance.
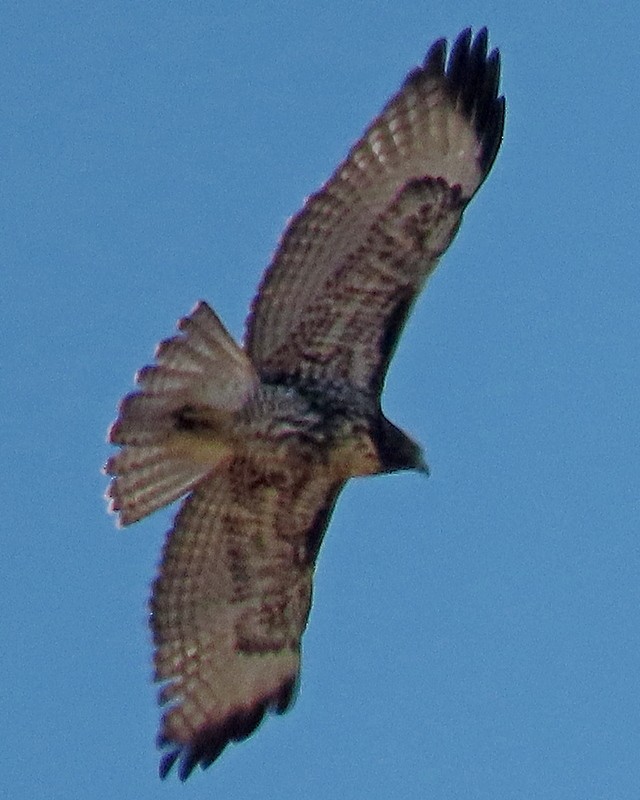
(262, 438)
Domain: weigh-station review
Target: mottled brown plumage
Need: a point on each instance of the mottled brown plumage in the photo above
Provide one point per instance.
(262, 439)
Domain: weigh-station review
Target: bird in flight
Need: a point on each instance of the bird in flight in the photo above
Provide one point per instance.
(262, 438)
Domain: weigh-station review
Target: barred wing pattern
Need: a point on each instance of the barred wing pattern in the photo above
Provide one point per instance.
(351, 262)
(230, 604)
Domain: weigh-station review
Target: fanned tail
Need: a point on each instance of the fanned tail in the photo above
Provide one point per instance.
(172, 431)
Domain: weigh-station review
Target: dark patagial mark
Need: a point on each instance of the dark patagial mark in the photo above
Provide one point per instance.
(315, 532)
(389, 339)
(437, 200)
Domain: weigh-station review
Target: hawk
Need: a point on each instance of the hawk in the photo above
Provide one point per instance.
(262, 438)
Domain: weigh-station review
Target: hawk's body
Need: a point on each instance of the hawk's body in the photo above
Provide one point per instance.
(263, 438)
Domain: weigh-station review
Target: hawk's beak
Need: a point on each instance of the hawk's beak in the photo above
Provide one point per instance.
(422, 467)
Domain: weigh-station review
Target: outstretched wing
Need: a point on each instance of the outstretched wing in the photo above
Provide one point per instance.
(334, 300)
(231, 601)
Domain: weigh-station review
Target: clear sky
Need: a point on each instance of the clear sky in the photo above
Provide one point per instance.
(475, 634)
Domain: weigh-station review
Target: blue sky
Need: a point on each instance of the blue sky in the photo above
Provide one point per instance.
(474, 635)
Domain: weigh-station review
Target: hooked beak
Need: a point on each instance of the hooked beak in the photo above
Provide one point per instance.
(422, 467)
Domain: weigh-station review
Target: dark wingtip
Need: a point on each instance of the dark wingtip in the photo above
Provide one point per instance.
(473, 78)
(457, 67)
(166, 763)
(435, 60)
(492, 137)
(209, 743)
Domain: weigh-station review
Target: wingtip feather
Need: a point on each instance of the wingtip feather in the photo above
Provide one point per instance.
(435, 60)
(473, 78)
(208, 744)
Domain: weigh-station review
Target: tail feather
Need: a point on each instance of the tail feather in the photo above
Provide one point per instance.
(145, 419)
(225, 377)
(206, 334)
(201, 370)
(146, 479)
(163, 379)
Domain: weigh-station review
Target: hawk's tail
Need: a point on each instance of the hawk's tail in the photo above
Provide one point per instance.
(172, 429)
